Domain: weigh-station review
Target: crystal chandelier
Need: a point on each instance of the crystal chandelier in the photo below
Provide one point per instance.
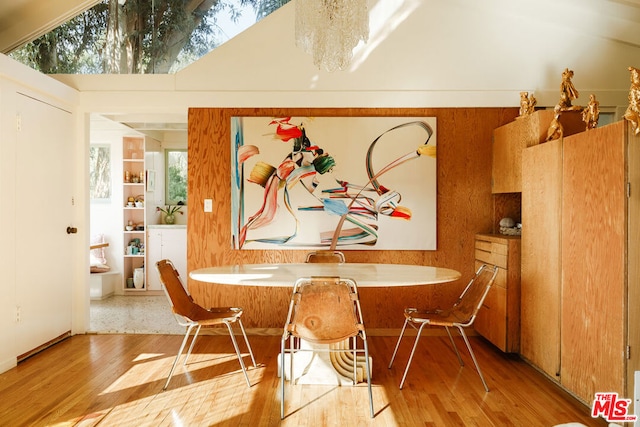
(330, 29)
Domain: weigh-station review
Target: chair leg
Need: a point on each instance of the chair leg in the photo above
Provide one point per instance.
(193, 341)
(473, 357)
(355, 360)
(235, 346)
(455, 347)
(366, 364)
(294, 344)
(413, 350)
(175, 362)
(404, 326)
(282, 378)
(246, 340)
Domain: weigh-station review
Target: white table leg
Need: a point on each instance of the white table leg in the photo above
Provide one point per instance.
(322, 367)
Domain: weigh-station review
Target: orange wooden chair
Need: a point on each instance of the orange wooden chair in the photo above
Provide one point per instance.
(325, 310)
(192, 315)
(325, 257)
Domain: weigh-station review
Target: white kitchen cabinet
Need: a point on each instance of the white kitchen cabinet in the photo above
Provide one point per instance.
(166, 242)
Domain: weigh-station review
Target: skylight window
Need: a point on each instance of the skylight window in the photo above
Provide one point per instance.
(141, 36)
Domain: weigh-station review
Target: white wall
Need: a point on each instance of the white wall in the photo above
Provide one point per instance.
(8, 239)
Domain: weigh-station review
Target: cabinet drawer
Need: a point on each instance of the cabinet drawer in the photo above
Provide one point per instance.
(491, 250)
(499, 247)
(491, 257)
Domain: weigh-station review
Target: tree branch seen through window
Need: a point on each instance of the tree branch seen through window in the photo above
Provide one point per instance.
(99, 172)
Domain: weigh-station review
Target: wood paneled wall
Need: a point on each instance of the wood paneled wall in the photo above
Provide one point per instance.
(464, 208)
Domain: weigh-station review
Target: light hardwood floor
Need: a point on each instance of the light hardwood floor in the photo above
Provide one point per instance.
(117, 380)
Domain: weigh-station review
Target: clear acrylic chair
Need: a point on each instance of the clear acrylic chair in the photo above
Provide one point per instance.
(461, 315)
(191, 315)
(325, 310)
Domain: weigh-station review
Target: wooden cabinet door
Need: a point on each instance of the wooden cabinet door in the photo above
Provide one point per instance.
(594, 206)
(541, 265)
(510, 140)
(633, 260)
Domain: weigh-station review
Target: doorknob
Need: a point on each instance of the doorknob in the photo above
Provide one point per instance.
(72, 230)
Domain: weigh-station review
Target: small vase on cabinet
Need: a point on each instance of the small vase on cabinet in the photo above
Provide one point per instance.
(169, 219)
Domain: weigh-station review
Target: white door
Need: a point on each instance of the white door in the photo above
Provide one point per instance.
(44, 188)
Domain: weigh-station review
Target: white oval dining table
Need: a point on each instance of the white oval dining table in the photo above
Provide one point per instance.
(316, 367)
(365, 275)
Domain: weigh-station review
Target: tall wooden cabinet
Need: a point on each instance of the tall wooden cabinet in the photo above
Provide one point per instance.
(580, 260)
(597, 216)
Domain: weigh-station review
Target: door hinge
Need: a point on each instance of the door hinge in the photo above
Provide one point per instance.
(18, 122)
(628, 352)
(628, 190)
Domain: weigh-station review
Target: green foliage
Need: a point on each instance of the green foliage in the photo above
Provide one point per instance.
(176, 180)
(137, 36)
(265, 7)
(68, 48)
(177, 184)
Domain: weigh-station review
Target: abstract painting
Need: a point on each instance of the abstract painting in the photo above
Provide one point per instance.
(333, 182)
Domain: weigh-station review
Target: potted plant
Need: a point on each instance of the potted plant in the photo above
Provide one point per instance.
(169, 213)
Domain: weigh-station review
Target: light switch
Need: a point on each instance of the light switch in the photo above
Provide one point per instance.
(208, 205)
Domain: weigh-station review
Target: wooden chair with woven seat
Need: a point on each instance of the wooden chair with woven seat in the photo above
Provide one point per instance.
(192, 315)
(325, 310)
(325, 257)
(319, 257)
(461, 315)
